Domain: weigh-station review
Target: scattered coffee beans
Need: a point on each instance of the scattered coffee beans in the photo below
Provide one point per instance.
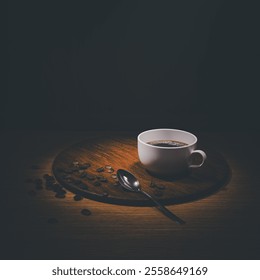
(78, 197)
(100, 169)
(85, 212)
(85, 166)
(60, 195)
(110, 170)
(97, 184)
(83, 175)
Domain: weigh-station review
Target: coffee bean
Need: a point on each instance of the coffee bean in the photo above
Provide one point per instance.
(100, 169)
(108, 167)
(62, 191)
(81, 171)
(49, 185)
(97, 184)
(85, 166)
(60, 195)
(78, 197)
(31, 193)
(57, 188)
(85, 212)
(114, 176)
(52, 221)
(102, 179)
(110, 170)
(50, 179)
(75, 163)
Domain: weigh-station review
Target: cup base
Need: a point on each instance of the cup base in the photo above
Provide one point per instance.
(170, 177)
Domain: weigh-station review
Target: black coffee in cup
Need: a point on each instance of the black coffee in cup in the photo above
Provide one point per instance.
(167, 143)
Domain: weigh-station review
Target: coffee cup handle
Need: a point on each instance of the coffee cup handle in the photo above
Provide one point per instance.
(203, 158)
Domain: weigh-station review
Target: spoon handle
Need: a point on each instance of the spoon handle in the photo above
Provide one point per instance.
(167, 212)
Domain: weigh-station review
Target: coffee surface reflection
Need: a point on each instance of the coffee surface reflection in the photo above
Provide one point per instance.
(167, 143)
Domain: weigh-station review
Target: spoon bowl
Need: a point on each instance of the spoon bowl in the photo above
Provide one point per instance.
(128, 181)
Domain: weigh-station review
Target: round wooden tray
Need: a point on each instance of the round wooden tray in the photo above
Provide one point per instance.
(71, 170)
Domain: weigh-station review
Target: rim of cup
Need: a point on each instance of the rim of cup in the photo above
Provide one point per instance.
(171, 129)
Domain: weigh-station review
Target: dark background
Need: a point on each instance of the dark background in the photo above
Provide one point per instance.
(118, 64)
(130, 65)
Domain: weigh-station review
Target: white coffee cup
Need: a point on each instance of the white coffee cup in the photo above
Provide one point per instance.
(168, 161)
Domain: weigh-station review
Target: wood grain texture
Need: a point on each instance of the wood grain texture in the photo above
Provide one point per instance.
(120, 152)
(224, 225)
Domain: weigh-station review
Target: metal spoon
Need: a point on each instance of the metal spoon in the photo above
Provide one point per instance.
(129, 182)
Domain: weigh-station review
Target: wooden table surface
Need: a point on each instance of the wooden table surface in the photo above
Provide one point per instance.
(225, 225)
